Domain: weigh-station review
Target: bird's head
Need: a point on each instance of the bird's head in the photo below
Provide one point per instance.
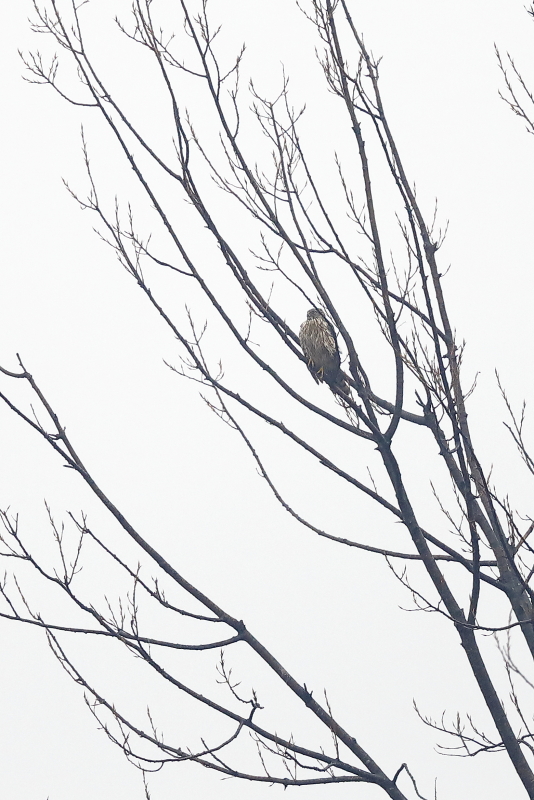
(314, 313)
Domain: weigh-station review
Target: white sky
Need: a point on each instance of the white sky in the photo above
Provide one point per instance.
(82, 328)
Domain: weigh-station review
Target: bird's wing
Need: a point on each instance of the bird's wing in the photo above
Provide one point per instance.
(330, 341)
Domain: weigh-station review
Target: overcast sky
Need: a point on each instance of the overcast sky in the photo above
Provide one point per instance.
(82, 328)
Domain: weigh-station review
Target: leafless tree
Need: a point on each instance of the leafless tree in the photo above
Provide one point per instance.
(316, 240)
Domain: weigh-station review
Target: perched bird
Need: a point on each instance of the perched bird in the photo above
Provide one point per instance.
(319, 345)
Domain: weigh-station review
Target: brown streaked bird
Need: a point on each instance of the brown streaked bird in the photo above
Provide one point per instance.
(319, 345)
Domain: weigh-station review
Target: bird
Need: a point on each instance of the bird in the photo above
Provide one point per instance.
(319, 345)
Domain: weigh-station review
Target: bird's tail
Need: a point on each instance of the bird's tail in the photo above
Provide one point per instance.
(341, 384)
